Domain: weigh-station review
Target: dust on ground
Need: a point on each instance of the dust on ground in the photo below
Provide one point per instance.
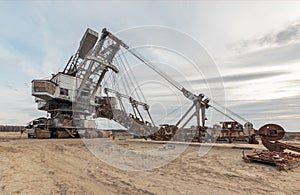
(66, 166)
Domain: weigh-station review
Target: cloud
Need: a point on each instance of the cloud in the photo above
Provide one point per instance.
(288, 34)
(272, 56)
(15, 62)
(284, 111)
(17, 105)
(262, 77)
(291, 33)
(239, 77)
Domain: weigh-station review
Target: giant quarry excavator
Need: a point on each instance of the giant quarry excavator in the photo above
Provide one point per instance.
(87, 89)
(76, 96)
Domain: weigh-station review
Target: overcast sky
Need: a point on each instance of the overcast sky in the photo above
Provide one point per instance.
(254, 44)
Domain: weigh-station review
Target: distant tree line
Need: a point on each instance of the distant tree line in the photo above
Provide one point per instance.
(10, 128)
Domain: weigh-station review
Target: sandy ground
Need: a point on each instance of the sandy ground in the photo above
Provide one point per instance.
(66, 166)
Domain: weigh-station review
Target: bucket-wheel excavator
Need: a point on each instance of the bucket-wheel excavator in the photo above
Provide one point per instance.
(75, 96)
(87, 89)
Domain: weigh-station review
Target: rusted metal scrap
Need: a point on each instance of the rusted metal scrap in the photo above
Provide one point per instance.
(282, 160)
(275, 155)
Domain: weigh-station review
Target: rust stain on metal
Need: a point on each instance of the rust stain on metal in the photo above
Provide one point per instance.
(282, 160)
(275, 155)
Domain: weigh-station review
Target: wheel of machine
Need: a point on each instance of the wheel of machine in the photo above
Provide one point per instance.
(271, 132)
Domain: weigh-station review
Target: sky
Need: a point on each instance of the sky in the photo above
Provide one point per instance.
(255, 46)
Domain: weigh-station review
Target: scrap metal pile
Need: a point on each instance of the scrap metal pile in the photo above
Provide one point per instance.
(275, 155)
